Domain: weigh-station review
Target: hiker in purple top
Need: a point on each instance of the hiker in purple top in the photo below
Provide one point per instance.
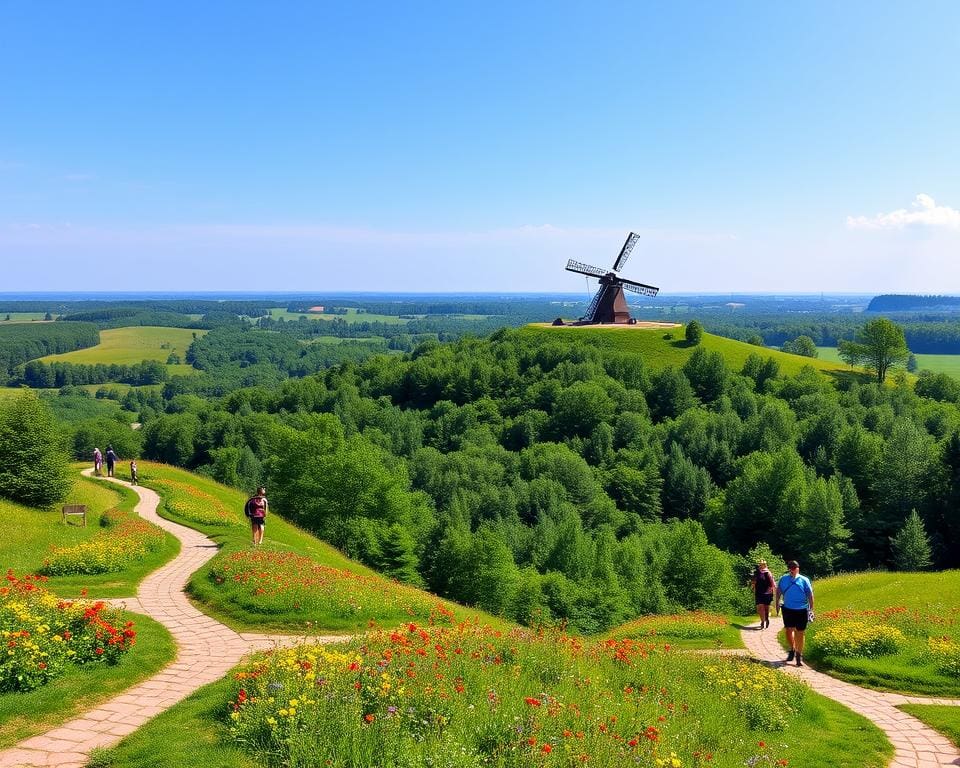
(97, 462)
(256, 509)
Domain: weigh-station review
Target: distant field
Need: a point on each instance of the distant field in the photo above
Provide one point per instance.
(127, 346)
(352, 316)
(660, 352)
(949, 364)
(8, 393)
(22, 317)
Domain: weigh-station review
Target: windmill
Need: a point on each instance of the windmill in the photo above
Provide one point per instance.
(609, 304)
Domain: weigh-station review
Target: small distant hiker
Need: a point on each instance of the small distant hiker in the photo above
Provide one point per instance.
(256, 509)
(97, 462)
(133, 472)
(763, 587)
(795, 599)
(111, 460)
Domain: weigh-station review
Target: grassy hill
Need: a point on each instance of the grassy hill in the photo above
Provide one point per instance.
(127, 346)
(663, 348)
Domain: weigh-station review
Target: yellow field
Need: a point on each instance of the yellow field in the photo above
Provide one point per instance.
(127, 346)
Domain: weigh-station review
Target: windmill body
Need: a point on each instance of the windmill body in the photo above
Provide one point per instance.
(609, 304)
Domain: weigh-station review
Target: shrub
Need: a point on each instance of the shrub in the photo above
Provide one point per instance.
(694, 332)
(945, 653)
(765, 698)
(43, 634)
(858, 638)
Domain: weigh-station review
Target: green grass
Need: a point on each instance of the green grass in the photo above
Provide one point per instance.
(921, 605)
(26, 714)
(660, 352)
(941, 717)
(949, 364)
(128, 346)
(384, 601)
(23, 317)
(32, 532)
(690, 631)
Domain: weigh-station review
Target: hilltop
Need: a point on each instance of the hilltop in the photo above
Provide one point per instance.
(661, 348)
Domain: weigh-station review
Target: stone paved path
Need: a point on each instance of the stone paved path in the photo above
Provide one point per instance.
(916, 745)
(207, 650)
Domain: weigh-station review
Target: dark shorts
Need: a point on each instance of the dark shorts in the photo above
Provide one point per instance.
(795, 618)
(257, 521)
(765, 599)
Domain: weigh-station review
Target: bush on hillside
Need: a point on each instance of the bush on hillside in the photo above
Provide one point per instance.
(694, 332)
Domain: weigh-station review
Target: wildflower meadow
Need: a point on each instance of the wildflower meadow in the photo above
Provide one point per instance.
(876, 646)
(43, 634)
(125, 538)
(469, 694)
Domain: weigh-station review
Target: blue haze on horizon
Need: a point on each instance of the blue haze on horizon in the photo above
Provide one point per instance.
(422, 147)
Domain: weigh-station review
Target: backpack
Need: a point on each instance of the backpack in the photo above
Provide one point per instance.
(247, 506)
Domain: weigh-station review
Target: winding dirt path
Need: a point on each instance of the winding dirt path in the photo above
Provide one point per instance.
(916, 745)
(207, 650)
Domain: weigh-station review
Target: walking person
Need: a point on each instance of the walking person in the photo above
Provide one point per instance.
(256, 509)
(111, 460)
(97, 462)
(763, 588)
(795, 598)
(133, 472)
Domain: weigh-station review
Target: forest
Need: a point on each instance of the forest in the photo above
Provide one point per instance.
(546, 478)
(539, 476)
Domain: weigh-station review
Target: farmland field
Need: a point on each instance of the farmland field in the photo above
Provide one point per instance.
(128, 346)
(949, 364)
(352, 316)
(22, 317)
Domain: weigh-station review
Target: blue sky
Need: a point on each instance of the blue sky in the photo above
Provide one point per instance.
(452, 146)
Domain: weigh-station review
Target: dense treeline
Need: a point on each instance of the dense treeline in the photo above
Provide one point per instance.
(43, 375)
(904, 303)
(25, 341)
(550, 478)
(123, 317)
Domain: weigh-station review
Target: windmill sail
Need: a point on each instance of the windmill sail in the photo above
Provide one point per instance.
(625, 251)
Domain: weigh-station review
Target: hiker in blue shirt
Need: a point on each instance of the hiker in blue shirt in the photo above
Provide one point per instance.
(795, 598)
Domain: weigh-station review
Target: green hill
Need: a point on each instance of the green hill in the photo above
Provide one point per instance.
(662, 348)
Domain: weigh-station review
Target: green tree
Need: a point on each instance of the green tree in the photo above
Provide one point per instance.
(694, 332)
(398, 558)
(35, 469)
(911, 545)
(707, 373)
(912, 364)
(802, 345)
(879, 345)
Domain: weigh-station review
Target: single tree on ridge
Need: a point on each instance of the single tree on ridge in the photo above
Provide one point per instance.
(878, 345)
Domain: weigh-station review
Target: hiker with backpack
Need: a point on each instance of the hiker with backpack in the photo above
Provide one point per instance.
(763, 587)
(795, 599)
(256, 510)
(112, 460)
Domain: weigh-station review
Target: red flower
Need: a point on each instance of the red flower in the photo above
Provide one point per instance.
(546, 749)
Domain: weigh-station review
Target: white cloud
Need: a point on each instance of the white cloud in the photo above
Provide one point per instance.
(924, 212)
